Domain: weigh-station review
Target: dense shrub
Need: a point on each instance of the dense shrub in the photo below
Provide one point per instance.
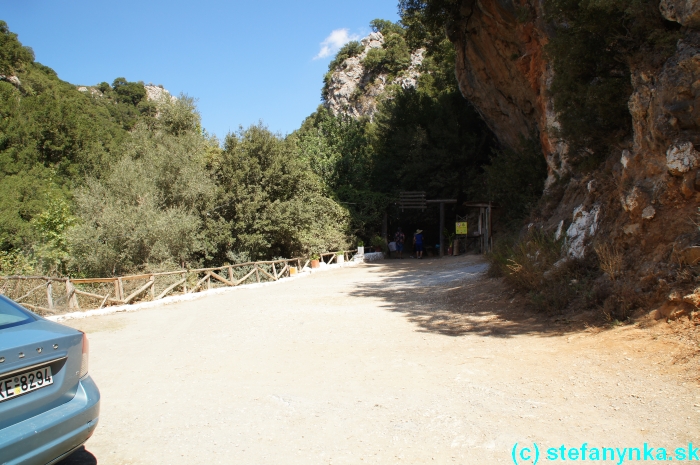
(274, 204)
(148, 207)
(13, 56)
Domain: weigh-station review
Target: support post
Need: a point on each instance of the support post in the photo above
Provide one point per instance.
(442, 227)
(70, 294)
(49, 296)
(385, 227)
(121, 288)
(230, 274)
(153, 287)
(184, 283)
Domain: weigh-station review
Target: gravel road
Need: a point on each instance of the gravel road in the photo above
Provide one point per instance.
(403, 361)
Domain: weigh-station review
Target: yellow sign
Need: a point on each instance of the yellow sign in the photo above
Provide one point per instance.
(461, 228)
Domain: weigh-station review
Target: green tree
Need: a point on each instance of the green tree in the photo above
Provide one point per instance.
(154, 205)
(275, 205)
(13, 55)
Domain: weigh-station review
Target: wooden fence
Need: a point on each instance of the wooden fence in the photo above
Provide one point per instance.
(49, 295)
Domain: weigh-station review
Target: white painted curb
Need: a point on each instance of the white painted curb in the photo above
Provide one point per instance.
(187, 297)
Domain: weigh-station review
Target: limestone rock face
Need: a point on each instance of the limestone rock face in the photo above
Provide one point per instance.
(355, 91)
(501, 69)
(14, 80)
(681, 158)
(155, 93)
(644, 198)
(685, 12)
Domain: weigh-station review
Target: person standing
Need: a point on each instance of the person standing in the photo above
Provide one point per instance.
(399, 239)
(418, 242)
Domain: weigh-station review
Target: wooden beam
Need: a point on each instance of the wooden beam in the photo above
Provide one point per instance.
(170, 288)
(102, 304)
(268, 275)
(222, 279)
(36, 307)
(245, 277)
(136, 276)
(138, 291)
(200, 282)
(98, 296)
(30, 292)
(93, 280)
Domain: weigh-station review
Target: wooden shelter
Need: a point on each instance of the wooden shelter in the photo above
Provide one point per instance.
(484, 229)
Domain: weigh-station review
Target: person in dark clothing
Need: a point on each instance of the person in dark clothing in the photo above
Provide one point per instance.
(399, 238)
(418, 243)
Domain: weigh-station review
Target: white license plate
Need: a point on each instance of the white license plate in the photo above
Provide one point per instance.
(22, 383)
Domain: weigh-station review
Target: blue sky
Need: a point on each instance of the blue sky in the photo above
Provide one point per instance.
(244, 61)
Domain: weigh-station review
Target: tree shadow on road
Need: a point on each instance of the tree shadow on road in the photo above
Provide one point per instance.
(453, 296)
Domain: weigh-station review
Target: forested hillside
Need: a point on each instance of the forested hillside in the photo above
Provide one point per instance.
(101, 180)
(105, 180)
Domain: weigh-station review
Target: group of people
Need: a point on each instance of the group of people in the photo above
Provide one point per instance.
(400, 239)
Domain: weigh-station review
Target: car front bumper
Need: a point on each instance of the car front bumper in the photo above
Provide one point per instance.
(43, 439)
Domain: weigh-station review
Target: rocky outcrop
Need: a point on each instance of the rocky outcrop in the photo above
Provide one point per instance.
(644, 199)
(14, 80)
(685, 12)
(155, 93)
(501, 69)
(355, 91)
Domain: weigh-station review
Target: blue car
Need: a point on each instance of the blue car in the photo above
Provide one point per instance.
(49, 405)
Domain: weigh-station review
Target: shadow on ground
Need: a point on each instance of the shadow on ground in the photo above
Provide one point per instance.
(453, 296)
(80, 457)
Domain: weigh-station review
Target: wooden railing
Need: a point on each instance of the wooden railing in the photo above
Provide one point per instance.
(49, 295)
(334, 256)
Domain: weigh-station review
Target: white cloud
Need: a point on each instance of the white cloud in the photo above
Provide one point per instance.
(334, 41)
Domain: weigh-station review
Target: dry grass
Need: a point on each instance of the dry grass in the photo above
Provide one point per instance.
(610, 259)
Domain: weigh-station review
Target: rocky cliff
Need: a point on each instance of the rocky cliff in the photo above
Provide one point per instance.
(643, 200)
(355, 90)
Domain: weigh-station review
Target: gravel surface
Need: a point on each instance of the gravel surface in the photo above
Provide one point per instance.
(403, 361)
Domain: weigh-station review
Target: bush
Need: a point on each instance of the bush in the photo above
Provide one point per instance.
(594, 45)
(276, 205)
(533, 265)
(151, 206)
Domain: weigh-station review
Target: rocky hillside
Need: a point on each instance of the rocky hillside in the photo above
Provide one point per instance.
(640, 201)
(354, 87)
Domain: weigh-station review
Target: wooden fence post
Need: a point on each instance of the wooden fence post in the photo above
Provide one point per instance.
(153, 287)
(230, 273)
(184, 285)
(257, 274)
(72, 298)
(117, 294)
(208, 281)
(274, 271)
(49, 296)
(121, 288)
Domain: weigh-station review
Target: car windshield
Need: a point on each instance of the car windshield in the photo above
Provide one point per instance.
(10, 315)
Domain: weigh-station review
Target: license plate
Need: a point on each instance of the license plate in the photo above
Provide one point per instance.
(22, 383)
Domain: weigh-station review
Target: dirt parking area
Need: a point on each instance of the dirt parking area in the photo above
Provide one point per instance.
(402, 361)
